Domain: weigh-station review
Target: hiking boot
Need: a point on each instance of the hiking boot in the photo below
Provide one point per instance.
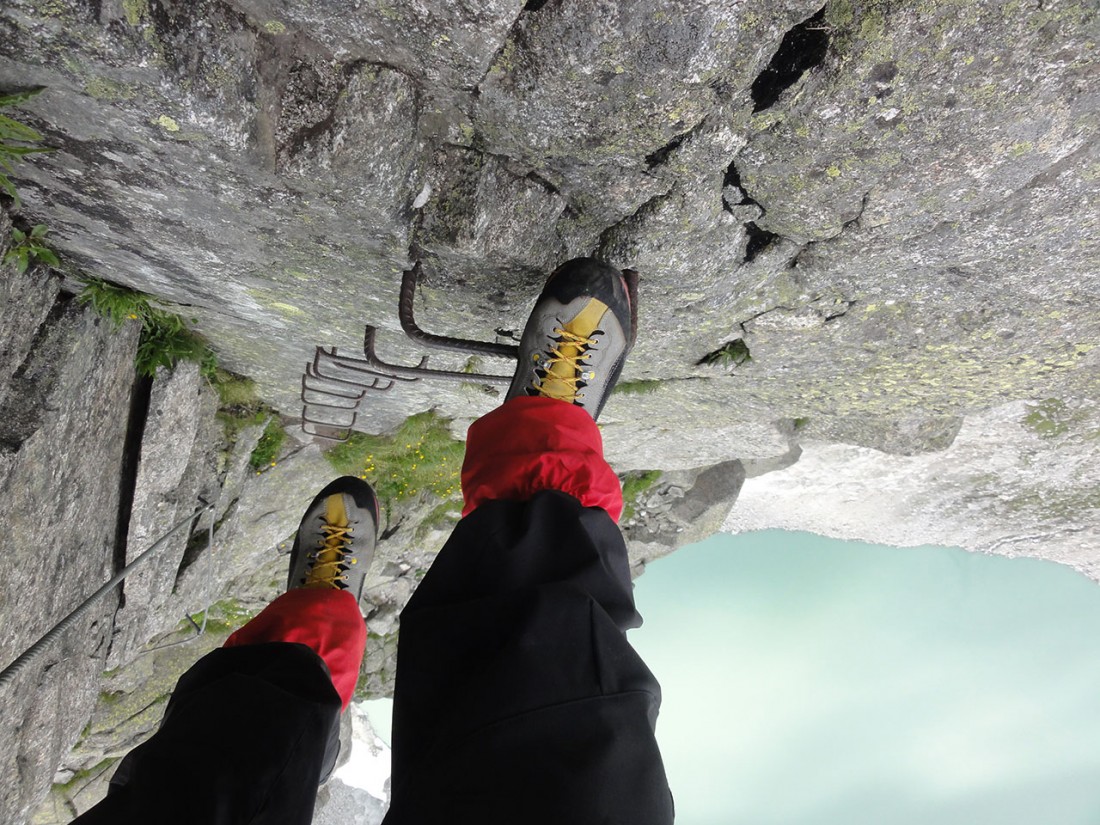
(578, 336)
(335, 542)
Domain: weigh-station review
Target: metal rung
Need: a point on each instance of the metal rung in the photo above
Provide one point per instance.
(369, 334)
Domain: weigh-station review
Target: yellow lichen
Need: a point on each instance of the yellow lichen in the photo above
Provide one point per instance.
(135, 11)
(166, 123)
(288, 310)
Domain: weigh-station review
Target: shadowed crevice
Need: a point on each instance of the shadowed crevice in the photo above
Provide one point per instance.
(802, 48)
(732, 180)
(759, 240)
(131, 458)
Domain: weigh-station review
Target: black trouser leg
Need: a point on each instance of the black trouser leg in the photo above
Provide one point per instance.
(518, 697)
(245, 739)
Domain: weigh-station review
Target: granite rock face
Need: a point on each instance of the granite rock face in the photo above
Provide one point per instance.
(164, 493)
(981, 493)
(866, 231)
(68, 384)
(678, 508)
(868, 195)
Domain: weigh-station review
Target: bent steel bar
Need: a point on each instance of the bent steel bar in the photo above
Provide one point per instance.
(325, 387)
(422, 371)
(341, 438)
(356, 370)
(409, 279)
(343, 387)
(343, 430)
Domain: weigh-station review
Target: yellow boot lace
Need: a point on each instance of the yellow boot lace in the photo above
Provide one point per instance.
(563, 367)
(331, 558)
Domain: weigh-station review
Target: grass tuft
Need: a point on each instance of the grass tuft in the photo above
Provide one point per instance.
(165, 338)
(221, 617)
(271, 442)
(731, 354)
(422, 456)
(635, 484)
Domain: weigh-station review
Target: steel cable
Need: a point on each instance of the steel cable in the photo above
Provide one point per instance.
(35, 650)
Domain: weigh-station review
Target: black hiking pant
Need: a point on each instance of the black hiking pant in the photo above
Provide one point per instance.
(518, 698)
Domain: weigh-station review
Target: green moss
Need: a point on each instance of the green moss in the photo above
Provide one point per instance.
(80, 777)
(872, 25)
(166, 123)
(750, 20)
(765, 120)
(286, 310)
(442, 517)
(421, 457)
(102, 88)
(388, 12)
(839, 13)
(1048, 419)
(506, 61)
(221, 617)
(235, 391)
(642, 386)
(111, 697)
(275, 27)
(240, 407)
(635, 484)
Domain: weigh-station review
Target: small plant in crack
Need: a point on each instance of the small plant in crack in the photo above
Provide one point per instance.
(268, 447)
(421, 457)
(29, 246)
(733, 353)
(165, 339)
(16, 141)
